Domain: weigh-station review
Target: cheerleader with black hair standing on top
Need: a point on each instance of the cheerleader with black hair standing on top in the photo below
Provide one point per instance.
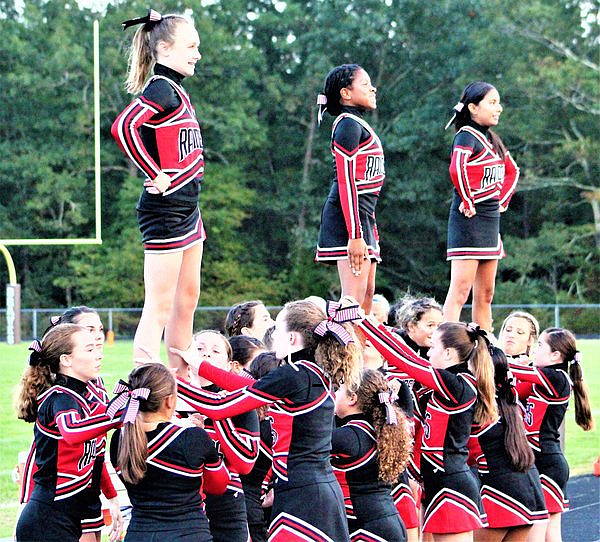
(510, 484)
(546, 389)
(69, 427)
(348, 234)
(370, 448)
(160, 134)
(484, 177)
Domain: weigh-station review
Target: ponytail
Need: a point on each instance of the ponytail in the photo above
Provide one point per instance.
(471, 345)
(43, 366)
(375, 401)
(563, 341)
(142, 54)
(133, 442)
(515, 442)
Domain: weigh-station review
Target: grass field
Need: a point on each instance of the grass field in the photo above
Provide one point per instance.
(582, 449)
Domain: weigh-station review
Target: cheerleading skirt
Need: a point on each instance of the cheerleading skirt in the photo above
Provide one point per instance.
(476, 238)
(452, 502)
(333, 235)
(170, 228)
(554, 474)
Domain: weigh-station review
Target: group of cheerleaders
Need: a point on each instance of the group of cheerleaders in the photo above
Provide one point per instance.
(325, 424)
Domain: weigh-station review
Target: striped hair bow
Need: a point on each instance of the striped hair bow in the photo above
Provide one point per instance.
(151, 17)
(387, 398)
(35, 358)
(336, 316)
(127, 398)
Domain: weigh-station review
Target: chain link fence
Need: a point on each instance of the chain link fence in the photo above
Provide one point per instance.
(583, 320)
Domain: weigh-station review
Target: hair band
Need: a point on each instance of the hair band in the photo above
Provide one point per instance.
(151, 17)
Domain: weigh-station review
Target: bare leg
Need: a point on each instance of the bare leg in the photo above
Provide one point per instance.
(490, 535)
(538, 532)
(355, 286)
(179, 327)
(412, 535)
(161, 274)
(90, 537)
(553, 533)
(367, 304)
(517, 534)
(462, 277)
(454, 537)
(483, 293)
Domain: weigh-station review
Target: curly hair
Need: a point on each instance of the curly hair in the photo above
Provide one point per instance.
(393, 441)
(342, 363)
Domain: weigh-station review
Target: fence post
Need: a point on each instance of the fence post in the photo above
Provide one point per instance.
(556, 316)
(34, 323)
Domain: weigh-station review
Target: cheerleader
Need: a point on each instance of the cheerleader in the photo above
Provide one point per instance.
(162, 464)
(248, 318)
(93, 523)
(518, 336)
(484, 177)
(460, 373)
(68, 431)
(510, 484)
(319, 351)
(546, 387)
(160, 134)
(237, 438)
(243, 350)
(416, 320)
(370, 449)
(348, 233)
(380, 308)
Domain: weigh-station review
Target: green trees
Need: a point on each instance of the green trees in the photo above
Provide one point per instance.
(268, 166)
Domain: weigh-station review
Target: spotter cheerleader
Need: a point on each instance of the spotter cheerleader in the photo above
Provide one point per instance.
(460, 373)
(69, 429)
(518, 337)
(546, 389)
(370, 448)
(484, 177)
(308, 503)
(348, 233)
(510, 484)
(162, 464)
(93, 523)
(160, 134)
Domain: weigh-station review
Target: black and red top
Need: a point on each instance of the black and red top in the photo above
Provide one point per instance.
(477, 171)
(301, 398)
(180, 461)
(159, 131)
(449, 412)
(359, 168)
(545, 391)
(69, 432)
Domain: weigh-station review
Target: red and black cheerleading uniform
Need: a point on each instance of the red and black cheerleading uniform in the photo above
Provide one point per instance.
(69, 433)
(308, 503)
(452, 501)
(349, 211)
(510, 498)
(370, 510)
(256, 482)
(401, 492)
(482, 179)
(546, 392)
(158, 132)
(167, 501)
(93, 520)
(237, 440)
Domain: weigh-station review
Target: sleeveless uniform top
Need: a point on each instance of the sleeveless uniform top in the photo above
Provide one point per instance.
(478, 173)
(359, 168)
(180, 461)
(158, 132)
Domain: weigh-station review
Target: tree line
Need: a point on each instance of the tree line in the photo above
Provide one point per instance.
(268, 165)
